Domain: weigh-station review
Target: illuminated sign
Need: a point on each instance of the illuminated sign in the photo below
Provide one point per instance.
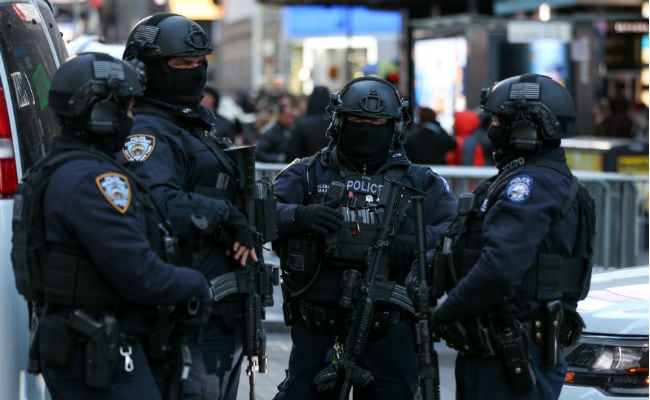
(528, 31)
(198, 10)
(629, 27)
(305, 21)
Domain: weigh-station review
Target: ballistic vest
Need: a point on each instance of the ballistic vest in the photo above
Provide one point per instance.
(551, 276)
(60, 274)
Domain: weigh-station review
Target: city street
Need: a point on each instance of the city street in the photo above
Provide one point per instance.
(279, 346)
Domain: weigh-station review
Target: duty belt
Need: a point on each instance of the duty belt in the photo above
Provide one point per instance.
(335, 320)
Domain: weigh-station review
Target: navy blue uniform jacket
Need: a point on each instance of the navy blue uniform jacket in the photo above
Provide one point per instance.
(90, 205)
(518, 225)
(292, 189)
(173, 162)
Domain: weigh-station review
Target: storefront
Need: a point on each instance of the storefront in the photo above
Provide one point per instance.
(454, 57)
(331, 45)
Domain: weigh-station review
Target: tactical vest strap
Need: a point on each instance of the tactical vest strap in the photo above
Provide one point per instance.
(553, 277)
(73, 280)
(550, 277)
(209, 141)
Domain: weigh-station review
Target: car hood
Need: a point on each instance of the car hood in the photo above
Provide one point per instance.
(617, 302)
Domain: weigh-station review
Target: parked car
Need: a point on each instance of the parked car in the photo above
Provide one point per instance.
(610, 361)
(85, 43)
(31, 49)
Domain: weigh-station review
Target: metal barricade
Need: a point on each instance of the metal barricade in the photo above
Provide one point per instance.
(621, 208)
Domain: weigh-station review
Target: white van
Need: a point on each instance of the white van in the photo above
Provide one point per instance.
(31, 49)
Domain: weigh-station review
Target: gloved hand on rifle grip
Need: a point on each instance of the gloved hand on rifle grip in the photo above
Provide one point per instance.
(401, 252)
(196, 311)
(317, 218)
(237, 225)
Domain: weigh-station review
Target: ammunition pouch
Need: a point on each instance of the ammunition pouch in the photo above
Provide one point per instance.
(55, 342)
(335, 321)
(350, 243)
(300, 258)
(471, 338)
(481, 337)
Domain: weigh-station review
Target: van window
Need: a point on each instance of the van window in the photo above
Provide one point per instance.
(29, 63)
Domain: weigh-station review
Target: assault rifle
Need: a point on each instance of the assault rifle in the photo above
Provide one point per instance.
(427, 356)
(255, 282)
(371, 289)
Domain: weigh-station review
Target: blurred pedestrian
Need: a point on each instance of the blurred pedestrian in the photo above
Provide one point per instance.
(211, 100)
(640, 121)
(308, 135)
(429, 142)
(620, 123)
(468, 150)
(272, 145)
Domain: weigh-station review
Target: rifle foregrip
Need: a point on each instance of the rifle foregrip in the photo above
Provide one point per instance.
(261, 350)
(358, 342)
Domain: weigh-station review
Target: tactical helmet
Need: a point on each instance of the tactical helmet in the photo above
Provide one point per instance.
(165, 35)
(92, 90)
(536, 100)
(368, 97)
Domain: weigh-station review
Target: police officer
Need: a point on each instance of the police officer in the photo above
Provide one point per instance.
(102, 276)
(172, 148)
(518, 252)
(328, 219)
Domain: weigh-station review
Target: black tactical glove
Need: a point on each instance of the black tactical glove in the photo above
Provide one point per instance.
(317, 218)
(327, 379)
(330, 376)
(196, 311)
(401, 252)
(239, 228)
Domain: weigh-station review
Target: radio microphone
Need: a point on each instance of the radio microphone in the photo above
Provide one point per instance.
(335, 192)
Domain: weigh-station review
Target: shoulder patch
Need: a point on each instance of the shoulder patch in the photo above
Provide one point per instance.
(116, 189)
(519, 188)
(138, 147)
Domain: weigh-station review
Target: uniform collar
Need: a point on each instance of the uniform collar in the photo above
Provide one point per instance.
(396, 159)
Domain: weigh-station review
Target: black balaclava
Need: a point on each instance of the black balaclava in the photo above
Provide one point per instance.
(365, 145)
(176, 85)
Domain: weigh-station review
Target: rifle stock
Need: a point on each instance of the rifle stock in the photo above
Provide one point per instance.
(427, 356)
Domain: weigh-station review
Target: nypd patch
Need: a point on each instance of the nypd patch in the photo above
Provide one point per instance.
(138, 147)
(519, 188)
(116, 189)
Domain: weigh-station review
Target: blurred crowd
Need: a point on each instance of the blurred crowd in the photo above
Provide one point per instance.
(284, 126)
